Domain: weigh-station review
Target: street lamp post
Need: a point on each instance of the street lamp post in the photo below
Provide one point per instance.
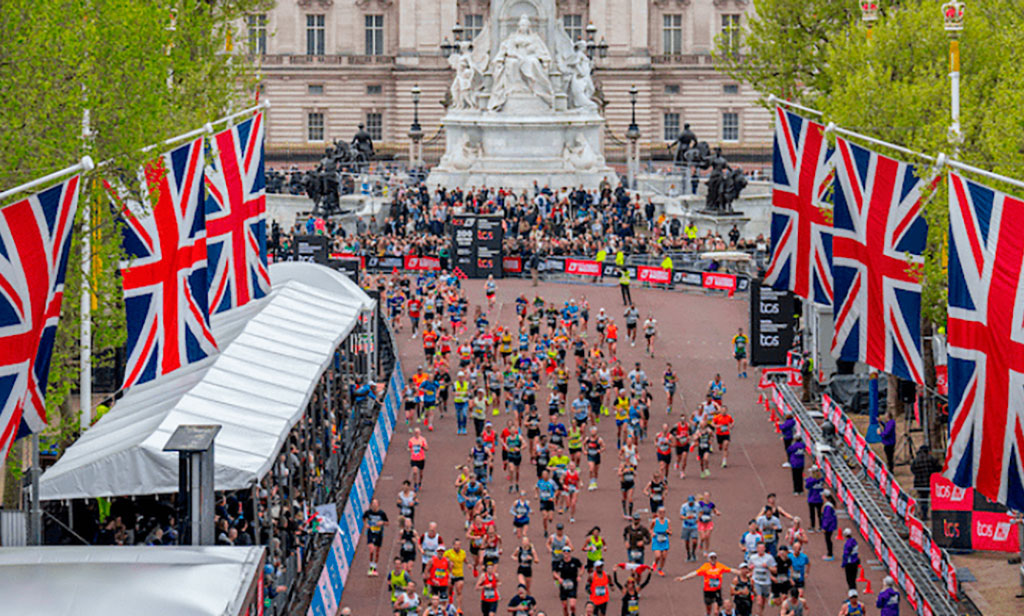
(953, 22)
(633, 135)
(869, 14)
(416, 131)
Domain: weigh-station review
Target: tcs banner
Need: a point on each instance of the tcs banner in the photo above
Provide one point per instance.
(965, 520)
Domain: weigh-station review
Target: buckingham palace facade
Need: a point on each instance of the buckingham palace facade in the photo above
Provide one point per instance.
(328, 65)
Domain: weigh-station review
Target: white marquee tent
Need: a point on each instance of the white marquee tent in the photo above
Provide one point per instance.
(272, 353)
(105, 580)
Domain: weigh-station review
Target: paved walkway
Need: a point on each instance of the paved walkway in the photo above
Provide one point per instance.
(694, 334)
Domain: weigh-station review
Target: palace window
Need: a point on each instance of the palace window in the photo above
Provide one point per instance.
(672, 34)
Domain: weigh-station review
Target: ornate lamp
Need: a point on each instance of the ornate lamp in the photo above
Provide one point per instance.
(953, 17)
(869, 11)
(447, 47)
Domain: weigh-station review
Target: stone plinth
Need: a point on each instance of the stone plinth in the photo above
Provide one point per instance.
(513, 150)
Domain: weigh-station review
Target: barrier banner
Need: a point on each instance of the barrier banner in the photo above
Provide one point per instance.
(582, 267)
(963, 519)
(331, 582)
(513, 265)
(653, 275)
(350, 255)
(719, 282)
(416, 264)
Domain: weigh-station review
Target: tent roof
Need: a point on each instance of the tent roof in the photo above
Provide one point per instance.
(104, 580)
(272, 354)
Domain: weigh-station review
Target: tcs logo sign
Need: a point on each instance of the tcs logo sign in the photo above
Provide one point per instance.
(484, 236)
(951, 493)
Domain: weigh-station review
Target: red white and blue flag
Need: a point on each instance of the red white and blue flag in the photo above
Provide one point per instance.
(165, 284)
(878, 241)
(802, 172)
(35, 242)
(986, 341)
(236, 228)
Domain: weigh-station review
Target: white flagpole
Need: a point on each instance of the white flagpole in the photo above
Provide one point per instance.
(775, 100)
(832, 128)
(85, 330)
(988, 174)
(84, 164)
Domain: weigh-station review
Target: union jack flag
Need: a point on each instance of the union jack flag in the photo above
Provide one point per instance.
(35, 241)
(165, 285)
(802, 171)
(236, 229)
(986, 341)
(878, 239)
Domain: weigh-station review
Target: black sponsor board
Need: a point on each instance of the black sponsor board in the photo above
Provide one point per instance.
(349, 267)
(952, 529)
(772, 325)
(476, 245)
(310, 249)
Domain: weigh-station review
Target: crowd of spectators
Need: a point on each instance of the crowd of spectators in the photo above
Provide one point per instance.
(539, 221)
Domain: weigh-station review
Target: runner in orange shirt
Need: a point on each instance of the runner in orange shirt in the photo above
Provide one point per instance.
(612, 335)
(417, 457)
(712, 572)
(723, 422)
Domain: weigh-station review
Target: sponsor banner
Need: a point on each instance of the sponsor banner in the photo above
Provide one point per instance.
(772, 326)
(309, 249)
(327, 594)
(688, 277)
(653, 275)
(942, 380)
(949, 497)
(582, 268)
(513, 265)
(719, 282)
(349, 255)
(994, 532)
(416, 264)
(385, 263)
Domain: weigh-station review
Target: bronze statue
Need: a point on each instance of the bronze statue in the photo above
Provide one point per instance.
(686, 140)
(362, 142)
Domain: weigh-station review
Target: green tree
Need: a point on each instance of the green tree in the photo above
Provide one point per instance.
(140, 73)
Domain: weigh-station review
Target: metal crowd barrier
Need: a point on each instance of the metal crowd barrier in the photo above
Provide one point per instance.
(912, 572)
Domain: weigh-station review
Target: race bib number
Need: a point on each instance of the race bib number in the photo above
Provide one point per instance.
(636, 555)
(633, 606)
(489, 594)
(714, 583)
(568, 584)
(600, 591)
(661, 538)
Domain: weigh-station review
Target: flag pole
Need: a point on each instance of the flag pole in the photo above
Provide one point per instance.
(84, 164)
(988, 174)
(832, 128)
(775, 100)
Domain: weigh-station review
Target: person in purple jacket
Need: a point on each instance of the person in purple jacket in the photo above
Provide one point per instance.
(828, 522)
(888, 600)
(796, 463)
(814, 484)
(888, 436)
(851, 559)
(786, 427)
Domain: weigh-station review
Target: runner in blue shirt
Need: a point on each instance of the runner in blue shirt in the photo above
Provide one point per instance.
(520, 511)
(546, 491)
(688, 514)
(580, 410)
(800, 565)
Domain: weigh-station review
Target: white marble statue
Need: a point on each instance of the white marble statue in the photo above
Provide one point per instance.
(521, 66)
(464, 155)
(464, 85)
(581, 85)
(577, 154)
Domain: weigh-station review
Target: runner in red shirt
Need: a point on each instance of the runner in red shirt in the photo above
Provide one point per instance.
(488, 587)
(612, 334)
(723, 426)
(415, 305)
(430, 338)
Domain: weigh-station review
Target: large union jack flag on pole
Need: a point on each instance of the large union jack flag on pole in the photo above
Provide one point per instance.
(236, 229)
(35, 240)
(165, 285)
(878, 241)
(802, 173)
(986, 341)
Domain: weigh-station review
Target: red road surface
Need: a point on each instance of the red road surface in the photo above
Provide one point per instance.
(694, 333)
